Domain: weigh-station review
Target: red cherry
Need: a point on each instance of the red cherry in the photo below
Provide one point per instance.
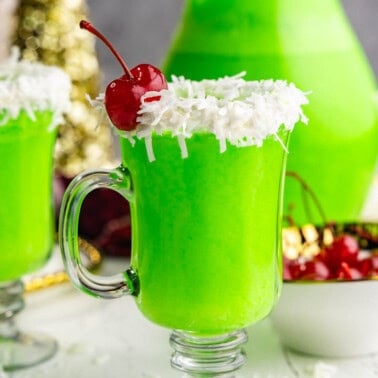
(342, 260)
(314, 270)
(307, 270)
(347, 272)
(344, 248)
(374, 262)
(365, 267)
(122, 96)
(291, 269)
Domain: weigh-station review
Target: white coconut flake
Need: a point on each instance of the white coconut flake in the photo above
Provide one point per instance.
(30, 87)
(183, 147)
(149, 149)
(239, 112)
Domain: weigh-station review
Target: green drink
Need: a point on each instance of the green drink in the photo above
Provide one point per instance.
(209, 225)
(203, 173)
(26, 221)
(32, 100)
(311, 43)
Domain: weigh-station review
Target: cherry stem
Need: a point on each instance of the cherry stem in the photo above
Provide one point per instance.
(88, 26)
(307, 190)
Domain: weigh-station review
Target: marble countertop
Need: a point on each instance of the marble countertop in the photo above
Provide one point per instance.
(110, 338)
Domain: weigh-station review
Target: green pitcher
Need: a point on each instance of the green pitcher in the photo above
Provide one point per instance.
(312, 44)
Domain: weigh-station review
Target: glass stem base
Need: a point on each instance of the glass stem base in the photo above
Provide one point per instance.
(19, 350)
(210, 355)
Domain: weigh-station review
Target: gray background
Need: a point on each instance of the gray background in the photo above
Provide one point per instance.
(141, 29)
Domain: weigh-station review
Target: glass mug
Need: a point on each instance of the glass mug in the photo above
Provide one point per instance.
(206, 230)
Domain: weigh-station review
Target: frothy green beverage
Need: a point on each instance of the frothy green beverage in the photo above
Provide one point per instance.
(205, 231)
(26, 221)
(33, 98)
(206, 166)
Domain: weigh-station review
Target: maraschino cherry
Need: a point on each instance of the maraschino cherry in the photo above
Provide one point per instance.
(341, 260)
(344, 249)
(122, 95)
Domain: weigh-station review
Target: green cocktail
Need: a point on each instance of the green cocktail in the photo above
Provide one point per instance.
(26, 221)
(203, 173)
(205, 232)
(32, 100)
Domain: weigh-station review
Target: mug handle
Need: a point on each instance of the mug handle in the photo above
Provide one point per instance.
(107, 287)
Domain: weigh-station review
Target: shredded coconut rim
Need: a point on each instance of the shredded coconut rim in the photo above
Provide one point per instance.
(239, 112)
(31, 87)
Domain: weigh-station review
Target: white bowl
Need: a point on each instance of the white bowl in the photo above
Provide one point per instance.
(328, 318)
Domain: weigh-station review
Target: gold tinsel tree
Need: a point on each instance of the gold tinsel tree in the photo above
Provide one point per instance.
(48, 31)
(7, 8)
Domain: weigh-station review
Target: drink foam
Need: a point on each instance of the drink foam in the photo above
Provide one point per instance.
(30, 87)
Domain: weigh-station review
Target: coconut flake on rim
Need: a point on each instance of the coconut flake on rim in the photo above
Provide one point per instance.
(32, 86)
(240, 112)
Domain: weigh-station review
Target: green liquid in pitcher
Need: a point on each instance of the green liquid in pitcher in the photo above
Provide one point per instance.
(205, 231)
(341, 142)
(311, 44)
(26, 222)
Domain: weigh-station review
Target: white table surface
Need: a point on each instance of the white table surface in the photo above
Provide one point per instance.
(110, 339)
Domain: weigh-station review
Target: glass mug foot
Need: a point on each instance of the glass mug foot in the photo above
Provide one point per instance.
(19, 350)
(25, 350)
(209, 355)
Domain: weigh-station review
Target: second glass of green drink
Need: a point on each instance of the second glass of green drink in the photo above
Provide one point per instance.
(203, 173)
(33, 98)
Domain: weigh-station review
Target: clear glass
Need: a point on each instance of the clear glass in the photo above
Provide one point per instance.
(205, 242)
(27, 231)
